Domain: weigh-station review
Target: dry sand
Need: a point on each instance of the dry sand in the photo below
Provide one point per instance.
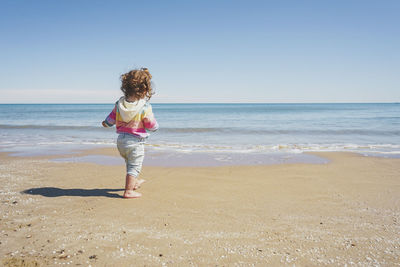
(343, 212)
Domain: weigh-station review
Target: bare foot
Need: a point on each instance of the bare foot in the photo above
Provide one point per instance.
(131, 194)
(138, 183)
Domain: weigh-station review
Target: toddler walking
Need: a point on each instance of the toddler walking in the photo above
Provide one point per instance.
(133, 117)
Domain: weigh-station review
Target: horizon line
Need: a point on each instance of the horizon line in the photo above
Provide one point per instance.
(106, 103)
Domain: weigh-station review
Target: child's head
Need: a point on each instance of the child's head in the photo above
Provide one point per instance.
(137, 84)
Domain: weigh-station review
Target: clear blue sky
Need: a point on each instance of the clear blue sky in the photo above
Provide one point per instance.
(201, 51)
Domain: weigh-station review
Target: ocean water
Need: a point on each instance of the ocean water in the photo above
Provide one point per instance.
(220, 129)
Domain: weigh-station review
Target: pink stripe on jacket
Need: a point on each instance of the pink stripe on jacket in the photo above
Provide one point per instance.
(139, 125)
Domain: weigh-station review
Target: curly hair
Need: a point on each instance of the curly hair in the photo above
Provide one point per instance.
(137, 84)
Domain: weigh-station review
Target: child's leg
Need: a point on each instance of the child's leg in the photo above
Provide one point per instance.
(136, 182)
(131, 184)
(132, 150)
(139, 182)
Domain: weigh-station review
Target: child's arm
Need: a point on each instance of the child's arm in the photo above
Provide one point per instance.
(149, 122)
(110, 120)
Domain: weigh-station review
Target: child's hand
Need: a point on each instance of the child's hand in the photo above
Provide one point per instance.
(104, 124)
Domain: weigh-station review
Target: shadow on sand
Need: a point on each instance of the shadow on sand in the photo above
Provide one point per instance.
(59, 192)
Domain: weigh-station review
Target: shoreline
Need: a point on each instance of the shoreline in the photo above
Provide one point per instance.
(344, 212)
(108, 155)
(157, 149)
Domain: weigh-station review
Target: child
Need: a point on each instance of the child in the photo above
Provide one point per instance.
(133, 117)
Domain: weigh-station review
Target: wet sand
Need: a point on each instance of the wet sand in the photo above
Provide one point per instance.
(344, 212)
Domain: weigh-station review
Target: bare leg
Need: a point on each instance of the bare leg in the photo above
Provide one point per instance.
(139, 183)
(131, 184)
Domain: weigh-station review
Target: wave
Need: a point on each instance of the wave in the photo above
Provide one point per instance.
(51, 127)
(385, 150)
(390, 150)
(373, 149)
(233, 130)
(225, 130)
(277, 147)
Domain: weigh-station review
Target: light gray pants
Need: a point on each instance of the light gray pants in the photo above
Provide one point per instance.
(131, 149)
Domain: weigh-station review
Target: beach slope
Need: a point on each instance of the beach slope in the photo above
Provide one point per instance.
(343, 212)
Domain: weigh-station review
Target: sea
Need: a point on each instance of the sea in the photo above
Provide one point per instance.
(222, 133)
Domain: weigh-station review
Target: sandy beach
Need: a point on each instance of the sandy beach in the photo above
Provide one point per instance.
(345, 212)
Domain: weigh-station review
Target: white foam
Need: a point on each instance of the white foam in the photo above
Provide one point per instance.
(291, 148)
(286, 148)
